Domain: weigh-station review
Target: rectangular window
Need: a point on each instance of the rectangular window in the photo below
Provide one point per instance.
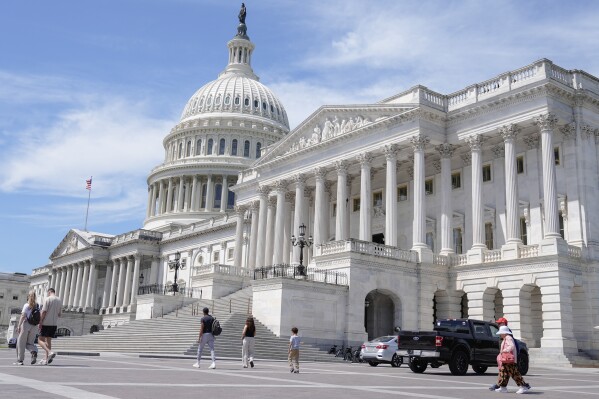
(230, 253)
(556, 155)
(523, 232)
(457, 240)
(430, 241)
(561, 225)
(428, 187)
(456, 180)
(215, 256)
(377, 198)
(402, 193)
(486, 173)
(489, 235)
(520, 164)
(356, 204)
(15, 297)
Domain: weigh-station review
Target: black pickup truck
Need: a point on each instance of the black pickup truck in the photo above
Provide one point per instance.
(458, 343)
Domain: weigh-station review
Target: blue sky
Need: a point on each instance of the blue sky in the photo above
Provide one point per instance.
(91, 88)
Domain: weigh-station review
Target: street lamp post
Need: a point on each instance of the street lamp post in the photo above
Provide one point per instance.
(176, 266)
(301, 242)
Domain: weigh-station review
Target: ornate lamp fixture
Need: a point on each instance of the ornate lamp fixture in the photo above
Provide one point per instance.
(176, 266)
(301, 242)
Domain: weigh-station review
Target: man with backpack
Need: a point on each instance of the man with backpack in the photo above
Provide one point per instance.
(51, 311)
(209, 327)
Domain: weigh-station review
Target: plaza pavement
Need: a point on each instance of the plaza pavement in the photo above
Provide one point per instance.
(128, 376)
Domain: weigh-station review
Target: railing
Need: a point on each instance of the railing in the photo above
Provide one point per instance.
(41, 270)
(217, 268)
(492, 256)
(366, 247)
(441, 260)
(529, 251)
(161, 289)
(300, 272)
(459, 260)
(139, 234)
(574, 251)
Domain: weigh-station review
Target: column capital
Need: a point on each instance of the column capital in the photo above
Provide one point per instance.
(546, 121)
(569, 131)
(390, 151)
(240, 209)
(475, 142)
(308, 191)
(299, 179)
(499, 151)
(320, 173)
(509, 132)
(289, 196)
(365, 159)
(588, 131)
(254, 205)
(532, 141)
(437, 165)
(263, 191)
(280, 186)
(341, 167)
(419, 142)
(327, 186)
(272, 202)
(445, 150)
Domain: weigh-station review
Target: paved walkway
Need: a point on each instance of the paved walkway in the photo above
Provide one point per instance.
(126, 376)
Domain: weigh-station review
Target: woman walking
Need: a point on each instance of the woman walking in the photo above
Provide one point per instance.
(247, 348)
(27, 331)
(507, 360)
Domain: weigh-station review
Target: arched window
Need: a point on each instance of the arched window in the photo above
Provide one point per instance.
(188, 152)
(209, 149)
(246, 102)
(256, 104)
(234, 147)
(218, 191)
(218, 99)
(228, 100)
(237, 100)
(180, 150)
(263, 105)
(198, 146)
(246, 149)
(258, 149)
(203, 201)
(221, 147)
(230, 198)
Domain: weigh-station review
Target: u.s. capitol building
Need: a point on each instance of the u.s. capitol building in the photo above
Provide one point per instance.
(481, 203)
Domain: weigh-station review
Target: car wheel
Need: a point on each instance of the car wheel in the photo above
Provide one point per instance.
(478, 369)
(418, 365)
(373, 364)
(396, 361)
(523, 363)
(458, 365)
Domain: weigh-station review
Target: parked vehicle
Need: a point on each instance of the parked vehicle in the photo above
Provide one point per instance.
(381, 350)
(458, 343)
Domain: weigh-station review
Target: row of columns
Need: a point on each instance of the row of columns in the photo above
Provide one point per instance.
(76, 284)
(188, 192)
(122, 282)
(265, 235)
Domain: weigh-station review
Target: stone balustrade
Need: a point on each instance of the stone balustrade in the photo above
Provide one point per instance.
(365, 247)
(529, 251)
(217, 268)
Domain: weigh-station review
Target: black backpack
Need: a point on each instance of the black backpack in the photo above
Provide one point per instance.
(216, 328)
(34, 317)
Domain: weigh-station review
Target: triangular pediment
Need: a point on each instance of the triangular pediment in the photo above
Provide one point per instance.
(74, 241)
(330, 123)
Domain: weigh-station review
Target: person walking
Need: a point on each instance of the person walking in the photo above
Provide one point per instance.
(247, 338)
(507, 360)
(27, 330)
(206, 337)
(294, 347)
(51, 311)
(502, 321)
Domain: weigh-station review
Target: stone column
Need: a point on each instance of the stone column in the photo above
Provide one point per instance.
(512, 204)
(121, 283)
(180, 194)
(298, 219)
(261, 239)
(546, 123)
(154, 270)
(194, 194)
(478, 224)
(446, 151)
(84, 284)
(78, 284)
(114, 283)
(224, 195)
(128, 275)
(289, 198)
(419, 223)
(107, 282)
(67, 286)
(188, 192)
(169, 196)
(55, 280)
(270, 230)
(150, 196)
(63, 283)
(319, 206)
(209, 194)
(161, 201)
(342, 200)
(135, 282)
(365, 160)
(391, 196)
(154, 200)
(91, 287)
(254, 206)
(239, 212)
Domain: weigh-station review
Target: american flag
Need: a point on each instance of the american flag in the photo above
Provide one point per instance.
(88, 184)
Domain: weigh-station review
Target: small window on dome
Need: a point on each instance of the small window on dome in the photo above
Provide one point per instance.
(198, 146)
(209, 100)
(246, 102)
(272, 109)
(264, 105)
(228, 100)
(234, 147)
(258, 150)
(237, 100)
(202, 101)
(256, 104)
(217, 99)
(188, 149)
(210, 145)
(221, 147)
(277, 110)
(246, 149)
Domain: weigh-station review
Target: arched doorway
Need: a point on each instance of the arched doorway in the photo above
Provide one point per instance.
(492, 304)
(464, 306)
(381, 313)
(531, 315)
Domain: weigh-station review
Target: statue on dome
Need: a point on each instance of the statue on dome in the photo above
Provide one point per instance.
(242, 29)
(242, 13)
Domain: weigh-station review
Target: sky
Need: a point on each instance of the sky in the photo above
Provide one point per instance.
(92, 88)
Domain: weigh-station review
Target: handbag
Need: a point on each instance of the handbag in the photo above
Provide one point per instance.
(507, 358)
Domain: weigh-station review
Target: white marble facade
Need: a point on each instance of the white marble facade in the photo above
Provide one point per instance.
(481, 203)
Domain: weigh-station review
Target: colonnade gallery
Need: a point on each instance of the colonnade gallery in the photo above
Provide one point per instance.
(482, 203)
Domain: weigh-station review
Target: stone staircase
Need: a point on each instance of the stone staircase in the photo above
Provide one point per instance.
(581, 359)
(176, 333)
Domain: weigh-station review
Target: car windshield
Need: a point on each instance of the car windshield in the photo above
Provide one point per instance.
(386, 338)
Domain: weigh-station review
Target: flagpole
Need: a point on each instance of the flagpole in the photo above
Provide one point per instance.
(89, 194)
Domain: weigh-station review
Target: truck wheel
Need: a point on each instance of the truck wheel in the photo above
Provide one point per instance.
(478, 369)
(396, 361)
(458, 365)
(373, 364)
(418, 365)
(523, 363)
